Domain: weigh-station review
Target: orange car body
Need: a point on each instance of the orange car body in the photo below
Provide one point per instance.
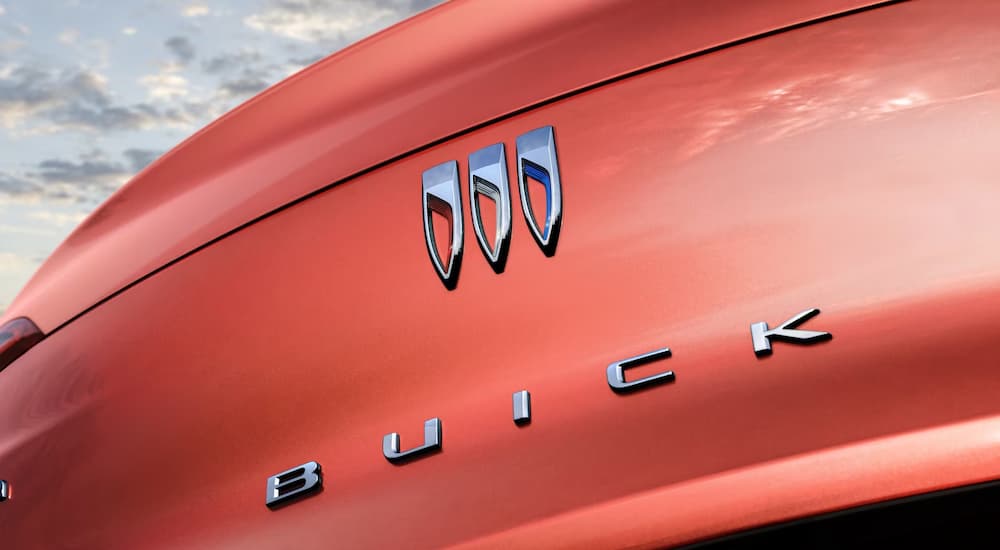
(262, 295)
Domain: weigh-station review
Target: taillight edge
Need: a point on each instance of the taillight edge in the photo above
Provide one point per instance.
(17, 336)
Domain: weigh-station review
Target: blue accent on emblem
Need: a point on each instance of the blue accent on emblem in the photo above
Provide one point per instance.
(541, 175)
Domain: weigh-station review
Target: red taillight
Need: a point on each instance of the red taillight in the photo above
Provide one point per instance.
(16, 337)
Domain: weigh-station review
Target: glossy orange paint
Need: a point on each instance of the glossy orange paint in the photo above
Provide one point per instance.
(458, 66)
(848, 165)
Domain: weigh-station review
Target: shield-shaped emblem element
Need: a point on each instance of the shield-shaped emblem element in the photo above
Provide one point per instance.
(488, 178)
(443, 197)
(536, 160)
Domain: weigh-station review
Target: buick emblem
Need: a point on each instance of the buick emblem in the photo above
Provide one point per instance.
(488, 180)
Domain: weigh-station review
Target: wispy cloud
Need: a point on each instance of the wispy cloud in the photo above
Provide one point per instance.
(10, 46)
(167, 84)
(79, 180)
(10, 261)
(195, 10)
(182, 48)
(231, 61)
(88, 171)
(141, 158)
(305, 61)
(69, 36)
(19, 187)
(82, 180)
(244, 86)
(330, 21)
(33, 229)
(34, 100)
(58, 219)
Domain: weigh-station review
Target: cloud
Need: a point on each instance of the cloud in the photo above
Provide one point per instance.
(195, 10)
(22, 29)
(58, 219)
(138, 116)
(13, 263)
(247, 85)
(166, 84)
(140, 158)
(305, 61)
(69, 36)
(87, 179)
(330, 21)
(243, 73)
(27, 90)
(3, 10)
(26, 230)
(231, 61)
(18, 187)
(10, 46)
(45, 101)
(129, 31)
(181, 47)
(85, 172)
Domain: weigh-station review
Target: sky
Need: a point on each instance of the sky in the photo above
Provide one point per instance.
(91, 91)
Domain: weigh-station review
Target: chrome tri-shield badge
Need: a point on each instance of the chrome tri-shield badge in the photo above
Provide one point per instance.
(442, 196)
(536, 162)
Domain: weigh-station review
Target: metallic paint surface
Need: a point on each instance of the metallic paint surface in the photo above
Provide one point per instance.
(416, 82)
(850, 165)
